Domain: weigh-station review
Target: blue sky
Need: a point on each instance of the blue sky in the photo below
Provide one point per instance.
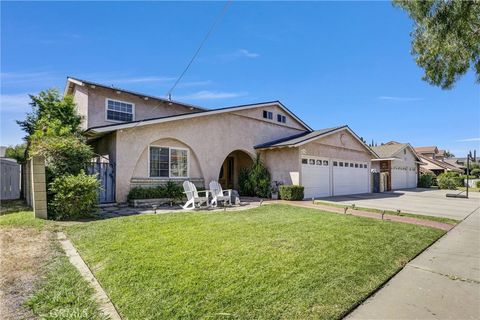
(330, 63)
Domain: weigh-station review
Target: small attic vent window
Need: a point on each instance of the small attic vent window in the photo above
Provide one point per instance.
(267, 115)
(281, 118)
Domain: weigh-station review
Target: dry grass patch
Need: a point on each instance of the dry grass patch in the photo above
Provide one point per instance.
(22, 253)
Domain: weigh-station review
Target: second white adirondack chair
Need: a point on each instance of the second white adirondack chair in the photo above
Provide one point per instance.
(193, 199)
(218, 194)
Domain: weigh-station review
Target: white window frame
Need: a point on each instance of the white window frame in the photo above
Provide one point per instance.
(115, 100)
(169, 162)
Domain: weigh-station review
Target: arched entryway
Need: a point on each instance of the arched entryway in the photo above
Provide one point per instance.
(231, 167)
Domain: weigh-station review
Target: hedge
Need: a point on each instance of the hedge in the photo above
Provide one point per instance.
(169, 190)
(291, 192)
(73, 196)
(449, 180)
(426, 180)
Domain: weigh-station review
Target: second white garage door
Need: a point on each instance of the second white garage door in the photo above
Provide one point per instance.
(404, 177)
(324, 177)
(350, 177)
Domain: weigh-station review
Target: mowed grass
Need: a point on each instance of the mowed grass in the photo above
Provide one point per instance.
(272, 262)
(63, 293)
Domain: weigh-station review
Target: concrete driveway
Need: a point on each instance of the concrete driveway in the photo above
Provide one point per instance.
(422, 201)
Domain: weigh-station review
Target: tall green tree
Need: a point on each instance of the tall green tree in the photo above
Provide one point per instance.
(445, 39)
(47, 107)
(53, 131)
(17, 152)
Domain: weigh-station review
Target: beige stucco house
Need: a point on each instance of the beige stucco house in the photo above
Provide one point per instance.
(149, 140)
(435, 160)
(400, 163)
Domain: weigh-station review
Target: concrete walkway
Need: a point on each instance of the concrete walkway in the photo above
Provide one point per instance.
(123, 210)
(366, 214)
(441, 283)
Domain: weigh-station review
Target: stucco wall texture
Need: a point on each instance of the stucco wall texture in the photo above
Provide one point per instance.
(91, 105)
(209, 140)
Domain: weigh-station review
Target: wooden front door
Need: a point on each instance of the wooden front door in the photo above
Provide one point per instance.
(227, 173)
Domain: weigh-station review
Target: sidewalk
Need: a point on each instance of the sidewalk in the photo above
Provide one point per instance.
(441, 283)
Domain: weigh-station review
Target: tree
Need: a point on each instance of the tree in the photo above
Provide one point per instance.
(445, 39)
(53, 131)
(50, 106)
(16, 152)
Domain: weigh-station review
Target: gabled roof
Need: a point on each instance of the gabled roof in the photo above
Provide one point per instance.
(429, 149)
(131, 124)
(306, 137)
(297, 138)
(392, 148)
(72, 81)
(388, 150)
(441, 164)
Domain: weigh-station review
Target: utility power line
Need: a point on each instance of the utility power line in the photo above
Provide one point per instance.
(210, 31)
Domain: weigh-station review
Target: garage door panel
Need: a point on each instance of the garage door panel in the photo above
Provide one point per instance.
(350, 179)
(316, 177)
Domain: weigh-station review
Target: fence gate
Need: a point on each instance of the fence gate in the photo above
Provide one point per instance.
(106, 175)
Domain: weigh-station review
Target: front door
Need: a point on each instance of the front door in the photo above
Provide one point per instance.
(227, 176)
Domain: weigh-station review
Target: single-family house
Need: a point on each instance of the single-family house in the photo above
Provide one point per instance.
(401, 164)
(435, 160)
(146, 140)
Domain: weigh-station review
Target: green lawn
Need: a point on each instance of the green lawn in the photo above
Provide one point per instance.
(403, 214)
(272, 262)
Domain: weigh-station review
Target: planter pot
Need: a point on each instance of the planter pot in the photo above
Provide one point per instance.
(274, 195)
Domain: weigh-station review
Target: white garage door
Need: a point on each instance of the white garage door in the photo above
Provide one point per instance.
(399, 178)
(350, 177)
(412, 178)
(316, 177)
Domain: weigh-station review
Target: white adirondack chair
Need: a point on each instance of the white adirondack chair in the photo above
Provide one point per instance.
(218, 194)
(193, 199)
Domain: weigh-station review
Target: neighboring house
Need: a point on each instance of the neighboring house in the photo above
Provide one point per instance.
(9, 179)
(438, 167)
(400, 162)
(461, 163)
(435, 160)
(150, 140)
(429, 152)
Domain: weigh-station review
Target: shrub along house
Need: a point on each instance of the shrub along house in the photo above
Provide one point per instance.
(147, 141)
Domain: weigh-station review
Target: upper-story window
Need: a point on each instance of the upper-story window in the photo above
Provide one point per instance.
(281, 118)
(119, 111)
(267, 115)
